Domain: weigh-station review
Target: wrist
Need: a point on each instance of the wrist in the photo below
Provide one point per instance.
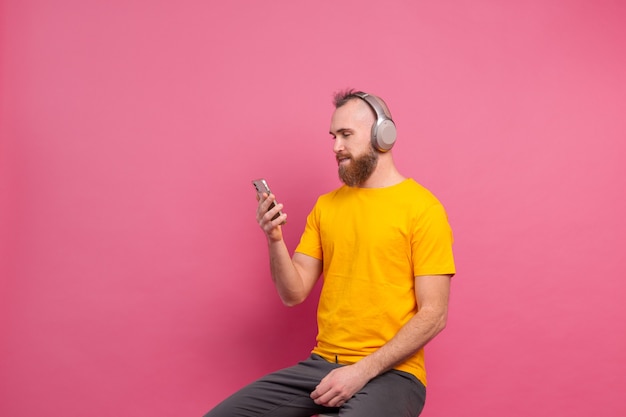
(273, 239)
(368, 367)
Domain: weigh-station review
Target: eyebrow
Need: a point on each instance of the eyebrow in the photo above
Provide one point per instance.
(343, 129)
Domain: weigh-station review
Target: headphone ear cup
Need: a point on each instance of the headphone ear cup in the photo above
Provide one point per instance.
(384, 134)
(384, 129)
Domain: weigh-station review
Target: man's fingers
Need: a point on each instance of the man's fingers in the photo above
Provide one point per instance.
(326, 396)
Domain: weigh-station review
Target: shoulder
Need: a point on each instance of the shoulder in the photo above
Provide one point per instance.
(412, 186)
(416, 194)
(332, 195)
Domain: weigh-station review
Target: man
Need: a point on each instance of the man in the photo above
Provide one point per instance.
(383, 245)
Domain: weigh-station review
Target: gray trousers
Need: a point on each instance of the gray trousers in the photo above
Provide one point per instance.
(285, 393)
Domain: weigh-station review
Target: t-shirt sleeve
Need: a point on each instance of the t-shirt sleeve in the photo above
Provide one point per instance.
(311, 242)
(432, 243)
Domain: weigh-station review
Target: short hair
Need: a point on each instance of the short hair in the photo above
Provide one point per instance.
(343, 96)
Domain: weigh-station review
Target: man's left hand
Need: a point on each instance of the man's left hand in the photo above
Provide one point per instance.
(339, 386)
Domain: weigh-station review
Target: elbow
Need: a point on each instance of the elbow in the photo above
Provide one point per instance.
(442, 321)
(437, 319)
(292, 301)
(442, 325)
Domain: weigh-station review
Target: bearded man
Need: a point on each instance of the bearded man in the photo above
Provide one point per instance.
(383, 245)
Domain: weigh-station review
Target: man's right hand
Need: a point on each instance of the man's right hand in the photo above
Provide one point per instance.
(270, 227)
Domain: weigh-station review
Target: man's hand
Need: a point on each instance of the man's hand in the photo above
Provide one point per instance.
(270, 227)
(339, 386)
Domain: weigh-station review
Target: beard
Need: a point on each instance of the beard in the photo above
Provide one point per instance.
(359, 169)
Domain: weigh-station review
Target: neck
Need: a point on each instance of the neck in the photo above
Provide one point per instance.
(385, 175)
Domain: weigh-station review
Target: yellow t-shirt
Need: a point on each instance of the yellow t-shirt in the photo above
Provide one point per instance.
(373, 242)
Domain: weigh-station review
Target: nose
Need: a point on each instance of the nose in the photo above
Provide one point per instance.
(338, 145)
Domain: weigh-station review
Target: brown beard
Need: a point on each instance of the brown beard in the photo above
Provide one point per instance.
(359, 169)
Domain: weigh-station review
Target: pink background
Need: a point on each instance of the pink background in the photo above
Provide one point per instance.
(134, 277)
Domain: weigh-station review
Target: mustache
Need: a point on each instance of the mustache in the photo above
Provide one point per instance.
(342, 155)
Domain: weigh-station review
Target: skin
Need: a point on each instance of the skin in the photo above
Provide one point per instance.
(295, 277)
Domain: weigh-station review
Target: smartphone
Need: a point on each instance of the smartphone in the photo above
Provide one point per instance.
(261, 187)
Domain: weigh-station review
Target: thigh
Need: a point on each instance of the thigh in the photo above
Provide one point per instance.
(392, 394)
(285, 393)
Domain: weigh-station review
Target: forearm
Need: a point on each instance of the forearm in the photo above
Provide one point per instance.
(414, 335)
(286, 277)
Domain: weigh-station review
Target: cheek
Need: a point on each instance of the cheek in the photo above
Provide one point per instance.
(362, 150)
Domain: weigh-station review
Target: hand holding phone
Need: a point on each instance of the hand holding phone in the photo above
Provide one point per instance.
(261, 187)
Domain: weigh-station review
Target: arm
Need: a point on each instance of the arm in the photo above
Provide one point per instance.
(295, 277)
(432, 293)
